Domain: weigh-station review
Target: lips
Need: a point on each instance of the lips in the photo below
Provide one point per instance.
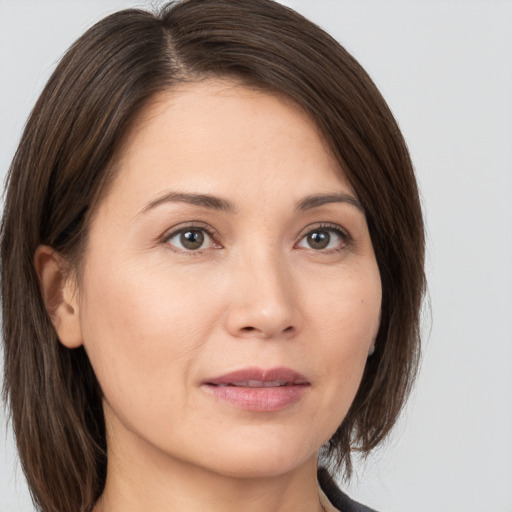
(259, 390)
(256, 383)
(258, 377)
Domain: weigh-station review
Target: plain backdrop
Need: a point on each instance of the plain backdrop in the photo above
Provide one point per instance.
(445, 67)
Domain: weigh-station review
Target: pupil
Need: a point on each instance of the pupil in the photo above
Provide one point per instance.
(192, 239)
(319, 239)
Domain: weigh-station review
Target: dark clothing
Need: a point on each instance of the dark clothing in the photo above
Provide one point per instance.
(338, 498)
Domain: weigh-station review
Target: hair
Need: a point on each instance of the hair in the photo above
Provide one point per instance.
(66, 159)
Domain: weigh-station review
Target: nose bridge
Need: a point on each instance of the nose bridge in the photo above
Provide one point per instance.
(263, 299)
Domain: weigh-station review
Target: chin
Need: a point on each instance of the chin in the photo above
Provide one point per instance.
(260, 456)
(257, 466)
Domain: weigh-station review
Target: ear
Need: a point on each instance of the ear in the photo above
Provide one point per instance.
(60, 295)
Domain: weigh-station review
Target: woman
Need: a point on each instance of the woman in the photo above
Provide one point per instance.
(212, 266)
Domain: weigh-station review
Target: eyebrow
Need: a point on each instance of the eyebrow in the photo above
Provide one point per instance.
(216, 203)
(315, 201)
(204, 200)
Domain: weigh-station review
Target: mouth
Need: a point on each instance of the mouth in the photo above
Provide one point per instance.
(256, 384)
(259, 390)
(260, 378)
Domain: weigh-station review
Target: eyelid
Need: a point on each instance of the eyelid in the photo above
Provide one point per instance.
(324, 225)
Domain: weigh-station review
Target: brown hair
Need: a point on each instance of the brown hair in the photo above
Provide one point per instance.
(65, 160)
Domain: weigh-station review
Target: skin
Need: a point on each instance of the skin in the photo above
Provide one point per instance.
(157, 319)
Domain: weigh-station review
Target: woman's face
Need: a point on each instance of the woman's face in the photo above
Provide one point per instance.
(230, 291)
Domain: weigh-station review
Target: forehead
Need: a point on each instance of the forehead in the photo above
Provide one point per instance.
(208, 134)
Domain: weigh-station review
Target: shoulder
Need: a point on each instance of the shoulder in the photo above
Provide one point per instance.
(337, 497)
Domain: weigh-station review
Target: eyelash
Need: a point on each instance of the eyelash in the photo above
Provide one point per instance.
(212, 234)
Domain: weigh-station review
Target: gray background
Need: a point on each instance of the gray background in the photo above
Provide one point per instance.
(445, 68)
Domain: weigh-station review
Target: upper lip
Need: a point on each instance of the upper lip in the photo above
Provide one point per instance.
(259, 377)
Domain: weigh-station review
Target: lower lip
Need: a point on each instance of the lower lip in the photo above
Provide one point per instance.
(259, 399)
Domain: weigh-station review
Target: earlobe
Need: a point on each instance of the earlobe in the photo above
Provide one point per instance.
(60, 295)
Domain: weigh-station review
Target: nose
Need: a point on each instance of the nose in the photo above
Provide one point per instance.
(263, 301)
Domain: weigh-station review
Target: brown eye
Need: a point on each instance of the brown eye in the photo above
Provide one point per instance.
(318, 239)
(324, 239)
(190, 239)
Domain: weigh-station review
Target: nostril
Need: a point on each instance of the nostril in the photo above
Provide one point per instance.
(250, 329)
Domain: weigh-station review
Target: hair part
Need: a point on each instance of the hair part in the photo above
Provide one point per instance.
(66, 161)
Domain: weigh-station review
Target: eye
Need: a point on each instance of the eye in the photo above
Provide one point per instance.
(191, 239)
(324, 238)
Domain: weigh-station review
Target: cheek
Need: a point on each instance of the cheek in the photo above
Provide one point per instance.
(141, 327)
(345, 320)
(346, 308)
